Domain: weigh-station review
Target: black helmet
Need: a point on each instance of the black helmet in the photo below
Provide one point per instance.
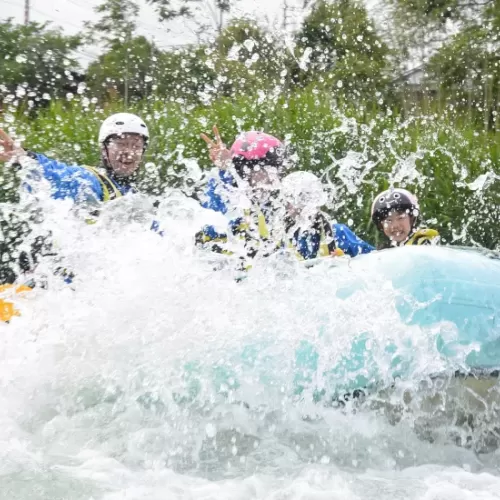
(394, 199)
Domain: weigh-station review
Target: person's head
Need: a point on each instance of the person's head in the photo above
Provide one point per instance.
(259, 158)
(396, 213)
(123, 138)
(302, 194)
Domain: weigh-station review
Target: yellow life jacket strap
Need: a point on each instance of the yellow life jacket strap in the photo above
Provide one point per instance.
(422, 237)
(264, 234)
(262, 225)
(324, 250)
(109, 189)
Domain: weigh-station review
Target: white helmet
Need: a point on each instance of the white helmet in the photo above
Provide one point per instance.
(122, 123)
(303, 190)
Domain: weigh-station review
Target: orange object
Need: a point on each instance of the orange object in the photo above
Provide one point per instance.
(7, 308)
(337, 253)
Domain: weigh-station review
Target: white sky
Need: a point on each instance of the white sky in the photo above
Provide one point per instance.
(71, 14)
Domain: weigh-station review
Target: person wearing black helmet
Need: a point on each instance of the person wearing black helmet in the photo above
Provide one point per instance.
(396, 213)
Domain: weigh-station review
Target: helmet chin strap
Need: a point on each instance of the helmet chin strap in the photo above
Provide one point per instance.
(105, 158)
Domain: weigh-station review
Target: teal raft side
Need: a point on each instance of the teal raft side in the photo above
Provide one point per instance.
(433, 287)
(455, 291)
(456, 285)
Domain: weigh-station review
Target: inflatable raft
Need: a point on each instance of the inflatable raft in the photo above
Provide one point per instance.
(460, 286)
(448, 303)
(451, 292)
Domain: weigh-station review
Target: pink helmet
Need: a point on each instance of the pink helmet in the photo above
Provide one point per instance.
(255, 145)
(253, 149)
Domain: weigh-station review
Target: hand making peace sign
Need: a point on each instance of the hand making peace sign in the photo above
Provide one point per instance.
(217, 150)
(8, 148)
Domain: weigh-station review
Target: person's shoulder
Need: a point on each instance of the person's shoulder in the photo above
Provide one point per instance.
(425, 236)
(427, 231)
(343, 230)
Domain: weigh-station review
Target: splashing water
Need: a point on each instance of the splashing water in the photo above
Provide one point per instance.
(153, 376)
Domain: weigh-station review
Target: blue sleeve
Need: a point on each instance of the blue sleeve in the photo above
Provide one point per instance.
(214, 200)
(69, 181)
(348, 242)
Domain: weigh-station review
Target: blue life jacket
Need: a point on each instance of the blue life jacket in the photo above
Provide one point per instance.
(78, 182)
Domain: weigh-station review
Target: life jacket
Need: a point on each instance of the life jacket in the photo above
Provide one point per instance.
(109, 189)
(422, 237)
(419, 237)
(326, 248)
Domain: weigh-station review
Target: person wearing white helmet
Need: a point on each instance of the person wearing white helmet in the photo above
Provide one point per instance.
(396, 213)
(294, 221)
(123, 139)
(308, 229)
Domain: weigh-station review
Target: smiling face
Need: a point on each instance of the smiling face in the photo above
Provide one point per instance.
(262, 180)
(397, 226)
(124, 153)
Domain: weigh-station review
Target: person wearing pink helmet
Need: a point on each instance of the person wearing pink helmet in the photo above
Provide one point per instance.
(246, 156)
(258, 162)
(254, 164)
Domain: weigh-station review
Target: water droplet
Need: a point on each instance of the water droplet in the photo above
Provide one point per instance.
(249, 45)
(210, 430)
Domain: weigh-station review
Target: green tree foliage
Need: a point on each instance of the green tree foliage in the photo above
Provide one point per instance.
(493, 13)
(246, 58)
(207, 14)
(435, 13)
(117, 23)
(37, 62)
(168, 9)
(469, 60)
(127, 69)
(184, 74)
(139, 69)
(339, 47)
(468, 69)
